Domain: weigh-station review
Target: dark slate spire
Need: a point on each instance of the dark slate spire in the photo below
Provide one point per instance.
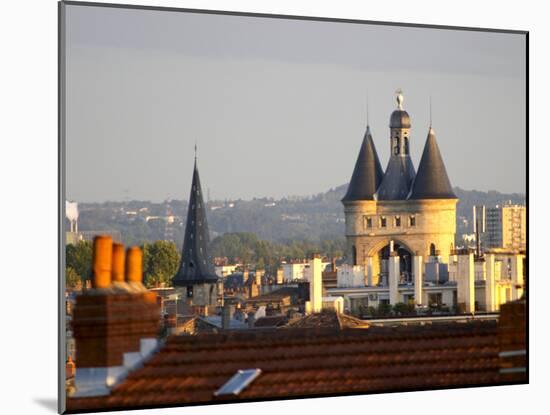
(431, 181)
(195, 265)
(367, 173)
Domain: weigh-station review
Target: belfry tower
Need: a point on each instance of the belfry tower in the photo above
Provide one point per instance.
(196, 279)
(399, 212)
(400, 171)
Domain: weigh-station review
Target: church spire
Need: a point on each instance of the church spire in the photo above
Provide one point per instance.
(195, 265)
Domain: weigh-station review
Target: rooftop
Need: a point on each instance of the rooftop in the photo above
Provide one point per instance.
(309, 362)
(276, 295)
(328, 319)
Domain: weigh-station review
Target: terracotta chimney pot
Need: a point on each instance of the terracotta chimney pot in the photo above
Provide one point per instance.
(134, 258)
(102, 261)
(119, 257)
(70, 368)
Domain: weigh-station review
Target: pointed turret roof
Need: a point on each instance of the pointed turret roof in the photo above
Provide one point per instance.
(431, 181)
(195, 265)
(367, 173)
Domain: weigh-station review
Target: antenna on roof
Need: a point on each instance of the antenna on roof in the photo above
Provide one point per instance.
(430, 110)
(367, 107)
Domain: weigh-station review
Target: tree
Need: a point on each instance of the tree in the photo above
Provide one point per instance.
(384, 309)
(402, 309)
(160, 262)
(79, 258)
(371, 311)
(72, 279)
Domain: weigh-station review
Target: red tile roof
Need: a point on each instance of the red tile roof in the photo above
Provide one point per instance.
(310, 362)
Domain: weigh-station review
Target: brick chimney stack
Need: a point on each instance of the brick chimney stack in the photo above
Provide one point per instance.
(512, 338)
(116, 322)
(315, 303)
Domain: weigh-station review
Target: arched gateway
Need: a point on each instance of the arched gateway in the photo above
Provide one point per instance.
(376, 260)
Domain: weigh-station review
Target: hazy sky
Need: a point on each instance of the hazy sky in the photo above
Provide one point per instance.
(278, 107)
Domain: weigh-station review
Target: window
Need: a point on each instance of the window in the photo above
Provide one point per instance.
(189, 291)
(398, 221)
(382, 221)
(435, 299)
(412, 220)
(432, 250)
(367, 222)
(354, 253)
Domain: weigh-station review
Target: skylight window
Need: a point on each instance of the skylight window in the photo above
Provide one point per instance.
(238, 382)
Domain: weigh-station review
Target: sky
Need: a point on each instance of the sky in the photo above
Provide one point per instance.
(278, 107)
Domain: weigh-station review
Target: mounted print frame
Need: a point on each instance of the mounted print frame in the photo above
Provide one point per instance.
(263, 207)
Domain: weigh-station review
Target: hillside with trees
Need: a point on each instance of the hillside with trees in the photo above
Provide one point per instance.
(313, 218)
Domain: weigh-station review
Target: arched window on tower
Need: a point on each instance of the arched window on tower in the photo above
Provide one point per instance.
(406, 145)
(354, 254)
(432, 249)
(396, 145)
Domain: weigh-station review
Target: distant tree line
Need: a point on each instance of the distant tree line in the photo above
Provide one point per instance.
(161, 258)
(249, 249)
(160, 263)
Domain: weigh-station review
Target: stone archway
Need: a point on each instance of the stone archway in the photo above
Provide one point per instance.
(380, 254)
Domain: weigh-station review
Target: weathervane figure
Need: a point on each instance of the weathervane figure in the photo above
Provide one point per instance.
(399, 98)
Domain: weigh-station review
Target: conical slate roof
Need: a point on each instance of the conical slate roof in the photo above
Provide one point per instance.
(397, 180)
(195, 265)
(431, 181)
(367, 173)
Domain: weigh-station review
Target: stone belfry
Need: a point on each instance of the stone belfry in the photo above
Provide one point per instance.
(196, 278)
(400, 173)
